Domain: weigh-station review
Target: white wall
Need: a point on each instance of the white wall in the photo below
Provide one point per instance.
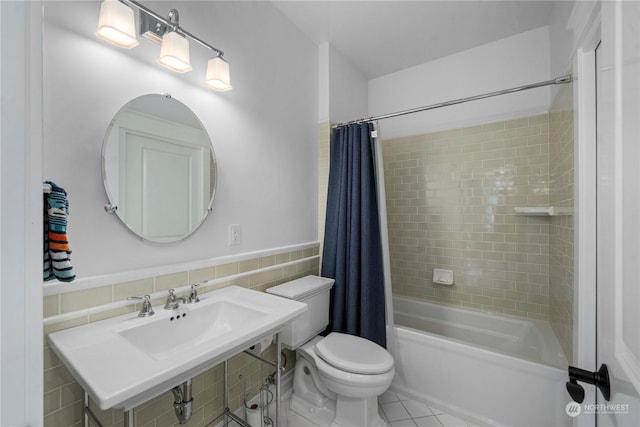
(263, 132)
(561, 40)
(348, 89)
(569, 23)
(343, 88)
(570, 20)
(506, 63)
(323, 82)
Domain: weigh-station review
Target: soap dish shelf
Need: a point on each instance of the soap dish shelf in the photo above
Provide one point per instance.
(543, 211)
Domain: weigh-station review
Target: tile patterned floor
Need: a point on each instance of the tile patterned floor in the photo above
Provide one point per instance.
(398, 411)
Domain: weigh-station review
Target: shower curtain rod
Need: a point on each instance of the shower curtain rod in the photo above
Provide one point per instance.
(557, 81)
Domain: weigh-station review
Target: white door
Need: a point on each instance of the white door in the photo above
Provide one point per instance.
(154, 172)
(618, 339)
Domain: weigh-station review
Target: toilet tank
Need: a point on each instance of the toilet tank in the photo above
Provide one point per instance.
(313, 291)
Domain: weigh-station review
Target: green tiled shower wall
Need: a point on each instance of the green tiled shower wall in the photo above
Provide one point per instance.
(63, 396)
(450, 203)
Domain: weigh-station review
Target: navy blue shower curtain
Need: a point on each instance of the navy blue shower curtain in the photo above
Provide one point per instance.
(352, 253)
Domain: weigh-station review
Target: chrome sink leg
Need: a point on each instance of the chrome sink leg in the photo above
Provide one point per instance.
(128, 418)
(85, 410)
(88, 415)
(278, 367)
(227, 414)
(226, 392)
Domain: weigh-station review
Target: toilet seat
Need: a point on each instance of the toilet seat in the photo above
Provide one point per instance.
(359, 381)
(350, 385)
(353, 354)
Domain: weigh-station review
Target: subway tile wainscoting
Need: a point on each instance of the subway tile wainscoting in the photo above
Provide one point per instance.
(259, 271)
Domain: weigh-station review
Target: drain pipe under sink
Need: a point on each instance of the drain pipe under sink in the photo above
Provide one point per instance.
(183, 402)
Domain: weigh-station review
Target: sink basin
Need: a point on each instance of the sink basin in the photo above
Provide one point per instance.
(164, 337)
(124, 361)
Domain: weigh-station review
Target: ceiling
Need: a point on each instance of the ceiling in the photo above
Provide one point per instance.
(381, 37)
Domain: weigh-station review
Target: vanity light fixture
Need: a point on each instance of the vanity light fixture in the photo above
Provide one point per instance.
(174, 53)
(174, 40)
(116, 24)
(217, 77)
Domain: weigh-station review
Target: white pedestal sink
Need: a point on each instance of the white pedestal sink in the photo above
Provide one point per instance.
(126, 360)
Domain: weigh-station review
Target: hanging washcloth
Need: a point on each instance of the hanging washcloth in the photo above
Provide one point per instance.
(59, 250)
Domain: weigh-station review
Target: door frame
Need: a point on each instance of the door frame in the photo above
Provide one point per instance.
(21, 143)
(585, 193)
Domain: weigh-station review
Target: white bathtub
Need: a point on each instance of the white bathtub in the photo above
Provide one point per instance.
(487, 368)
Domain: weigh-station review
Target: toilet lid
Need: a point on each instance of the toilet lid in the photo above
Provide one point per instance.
(354, 354)
(302, 288)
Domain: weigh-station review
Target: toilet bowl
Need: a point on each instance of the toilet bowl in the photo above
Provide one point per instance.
(337, 378)
(311, 398)
(353, 366)
(357, 371)
(331, 396)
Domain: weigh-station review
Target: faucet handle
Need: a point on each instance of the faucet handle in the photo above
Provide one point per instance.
(147, 309)
(193, 297)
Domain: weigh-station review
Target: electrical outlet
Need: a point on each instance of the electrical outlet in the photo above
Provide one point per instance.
(235, 236)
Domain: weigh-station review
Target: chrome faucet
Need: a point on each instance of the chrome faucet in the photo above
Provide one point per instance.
(173, 302)
(146, 310)
(193, 296)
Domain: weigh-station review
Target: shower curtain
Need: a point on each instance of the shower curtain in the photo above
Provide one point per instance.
(352, 253)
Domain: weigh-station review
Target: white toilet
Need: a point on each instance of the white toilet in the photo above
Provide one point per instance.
(338, 378)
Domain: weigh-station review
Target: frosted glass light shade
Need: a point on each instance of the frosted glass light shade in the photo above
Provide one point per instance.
(217, 77)
(174, 53)
(116, 24)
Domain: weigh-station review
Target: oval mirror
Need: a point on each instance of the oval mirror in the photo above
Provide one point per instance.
(159, 168)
